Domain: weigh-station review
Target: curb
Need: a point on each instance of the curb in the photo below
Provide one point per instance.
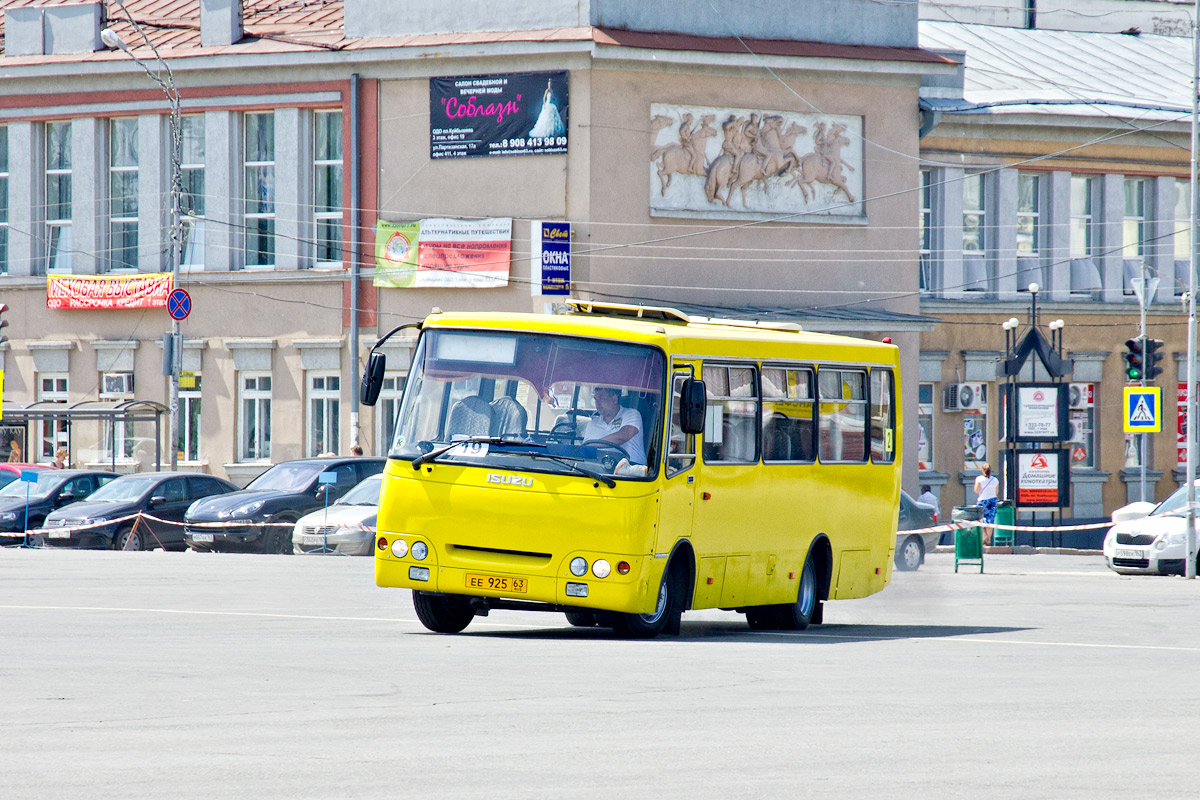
(1026, 550)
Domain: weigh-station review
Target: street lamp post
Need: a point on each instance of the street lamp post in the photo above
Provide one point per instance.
(166, 80)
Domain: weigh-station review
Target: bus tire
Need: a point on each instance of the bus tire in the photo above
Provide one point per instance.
(442, 613)
(665, 614)
(581, 619)
(799, 615)
(764, 618)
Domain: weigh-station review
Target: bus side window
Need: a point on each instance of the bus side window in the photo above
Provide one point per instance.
(883, 416)
(787, 414)
(681, 447)
(843, 414)
(731, 425)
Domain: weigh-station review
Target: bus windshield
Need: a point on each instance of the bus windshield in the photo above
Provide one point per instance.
(534, 402)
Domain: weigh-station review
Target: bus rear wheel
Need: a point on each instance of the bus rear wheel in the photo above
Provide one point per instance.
(791, 616)
(442, 613)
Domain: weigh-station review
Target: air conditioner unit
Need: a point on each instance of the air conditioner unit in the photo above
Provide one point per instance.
(1077, 396)
(964, 397)
(117, 384)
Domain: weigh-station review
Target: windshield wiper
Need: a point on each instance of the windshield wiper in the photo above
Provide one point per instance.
(432, 454)
(596, 476)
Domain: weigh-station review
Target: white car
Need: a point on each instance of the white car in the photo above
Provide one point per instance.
(346, 527)
(1148, 539)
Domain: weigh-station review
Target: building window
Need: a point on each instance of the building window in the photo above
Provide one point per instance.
(1183, 236)
(58, 197)
(254, 425)
(51, 433)
(1133, 230)
(327, 186)
(3, 199)
(191, 171)
(389, 409)
(925, 394)
(324, 413)
(974, 248)
(975, 437)
(259, 149)
(189, 417)
(1082, 397)
(1085, 274)
(1029, 230)
(123, 193)
(925, 276)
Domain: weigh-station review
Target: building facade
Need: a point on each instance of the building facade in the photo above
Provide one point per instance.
(750, 165)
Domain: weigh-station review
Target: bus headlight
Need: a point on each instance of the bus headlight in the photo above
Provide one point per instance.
(399, 548)
(420, 550)
(601, 568)
(578, 567)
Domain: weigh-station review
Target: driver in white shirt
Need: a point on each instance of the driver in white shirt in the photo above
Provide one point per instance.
(615, 424)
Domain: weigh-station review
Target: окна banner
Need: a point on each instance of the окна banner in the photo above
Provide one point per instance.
(522, 114)
(108, 291)
(445, 253)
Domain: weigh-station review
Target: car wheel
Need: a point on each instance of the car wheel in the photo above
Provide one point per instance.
(581, 619)
(279, 540)
(128, 539)
(666, 611)
(442, 613)
(911, 554)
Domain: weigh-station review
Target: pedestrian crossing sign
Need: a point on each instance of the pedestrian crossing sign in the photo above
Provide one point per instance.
(1143, 409)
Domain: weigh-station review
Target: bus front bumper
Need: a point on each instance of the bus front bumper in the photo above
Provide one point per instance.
(626, 593)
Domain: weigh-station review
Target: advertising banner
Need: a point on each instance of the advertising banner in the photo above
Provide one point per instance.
(443, 253)
(108, 291)
(550, 260)
(520, 114)
(1181, 424)
(1041, 478)
(1041, 411)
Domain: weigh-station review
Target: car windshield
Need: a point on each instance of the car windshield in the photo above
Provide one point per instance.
(534, 402)
(127, 487)
(47, 482)
(365, 494)
(288, 477)
(1175, 504)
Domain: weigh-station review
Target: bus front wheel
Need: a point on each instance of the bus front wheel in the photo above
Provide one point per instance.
(581, 619)
(442, 613)
(666, 612)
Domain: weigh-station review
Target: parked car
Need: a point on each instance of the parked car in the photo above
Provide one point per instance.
(1147, 539)
(163, 495)
(9, 472)
(54, 488)
(912, 547)
(282, 494)
(346, 527)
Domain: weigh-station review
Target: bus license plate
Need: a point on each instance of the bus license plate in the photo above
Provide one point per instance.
(497, 583)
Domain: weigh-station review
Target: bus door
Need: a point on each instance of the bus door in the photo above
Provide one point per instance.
(679, 485)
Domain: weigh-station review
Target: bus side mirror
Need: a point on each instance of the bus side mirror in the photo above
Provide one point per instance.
(692, 405)
(372, 379)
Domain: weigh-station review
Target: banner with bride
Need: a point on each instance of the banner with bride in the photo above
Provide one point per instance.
(519, 114)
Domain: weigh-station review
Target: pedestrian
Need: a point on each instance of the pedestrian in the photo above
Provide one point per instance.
(986, 487)
(60, 459)
(356, 450)
(927, 496)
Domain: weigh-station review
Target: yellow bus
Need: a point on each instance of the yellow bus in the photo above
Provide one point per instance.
(624, 464)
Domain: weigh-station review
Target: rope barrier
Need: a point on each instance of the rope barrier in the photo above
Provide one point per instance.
(954, 526)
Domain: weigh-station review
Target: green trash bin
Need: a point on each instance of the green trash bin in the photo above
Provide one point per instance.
(968, 542)
(1006, 514)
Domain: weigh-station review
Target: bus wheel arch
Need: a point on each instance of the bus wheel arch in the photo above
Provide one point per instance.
(675, 597)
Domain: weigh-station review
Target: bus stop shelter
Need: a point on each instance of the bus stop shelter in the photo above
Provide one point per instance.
(110, 418)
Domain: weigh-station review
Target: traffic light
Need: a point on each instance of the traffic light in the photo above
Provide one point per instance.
(1134, 358)
(1151, 357)
(3, 322)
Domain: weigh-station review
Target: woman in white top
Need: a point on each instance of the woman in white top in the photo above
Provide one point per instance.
(986, 487)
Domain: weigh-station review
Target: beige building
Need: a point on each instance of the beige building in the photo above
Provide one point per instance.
(732, 164)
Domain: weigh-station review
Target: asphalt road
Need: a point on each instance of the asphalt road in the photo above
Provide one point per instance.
(154, 675)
